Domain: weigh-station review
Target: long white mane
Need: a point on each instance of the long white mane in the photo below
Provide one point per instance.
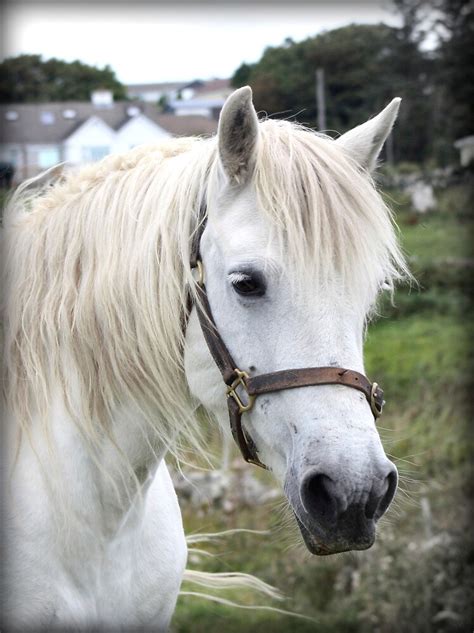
(97, 268)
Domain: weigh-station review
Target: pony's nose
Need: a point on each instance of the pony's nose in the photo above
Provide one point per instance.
(329, 502)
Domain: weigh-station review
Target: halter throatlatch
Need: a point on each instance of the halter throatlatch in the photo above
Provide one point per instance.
(243, 389)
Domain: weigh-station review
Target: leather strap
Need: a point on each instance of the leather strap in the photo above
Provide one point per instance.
(291, 378)
(194, 255)
(238, 381)
(221, 355)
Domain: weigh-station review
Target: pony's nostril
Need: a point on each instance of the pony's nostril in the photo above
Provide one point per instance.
(317, 496)
(380, 499)
(392, 480)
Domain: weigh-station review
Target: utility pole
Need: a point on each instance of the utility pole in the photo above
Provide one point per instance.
(320, 100)
(389, 149)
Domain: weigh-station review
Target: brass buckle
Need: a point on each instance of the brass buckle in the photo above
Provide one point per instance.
(200, 273)
(241, 379)
(376, 408)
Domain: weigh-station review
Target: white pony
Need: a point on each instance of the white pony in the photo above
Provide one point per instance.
(102, 376)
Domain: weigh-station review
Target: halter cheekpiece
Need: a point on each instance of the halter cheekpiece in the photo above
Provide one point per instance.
(242, 388)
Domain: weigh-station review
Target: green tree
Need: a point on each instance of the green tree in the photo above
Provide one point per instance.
(242, 75)
(444, 29)
(30, 79)
(456, 30)
(365, 66)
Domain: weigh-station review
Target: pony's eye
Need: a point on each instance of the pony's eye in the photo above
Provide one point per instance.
(248, 285)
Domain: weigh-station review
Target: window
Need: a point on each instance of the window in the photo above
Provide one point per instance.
(11, 115)
(13, 155)
(69, 114)
(47, 118)
(47, 157)
(94, 153)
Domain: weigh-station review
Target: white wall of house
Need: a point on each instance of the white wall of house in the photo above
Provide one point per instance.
(93, 140)
(191, 110)
(13, 153)
(30, 159)
(152, 95)
(137, 131)
(186, 93)
(198, 106)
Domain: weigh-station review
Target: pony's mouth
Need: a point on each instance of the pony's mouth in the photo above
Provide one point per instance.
(318, 547)
(312, 543)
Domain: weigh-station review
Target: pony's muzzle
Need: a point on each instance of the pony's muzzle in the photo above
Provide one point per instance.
(334, 515)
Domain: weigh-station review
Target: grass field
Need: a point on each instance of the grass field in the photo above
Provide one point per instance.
(419, 576)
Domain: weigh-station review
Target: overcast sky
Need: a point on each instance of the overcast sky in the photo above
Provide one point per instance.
(165, 42)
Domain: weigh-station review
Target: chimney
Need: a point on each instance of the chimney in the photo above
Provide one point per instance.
(102, 98)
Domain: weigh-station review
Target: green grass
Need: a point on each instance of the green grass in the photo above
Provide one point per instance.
(420, 351)
(443, 233)
(439, 237)
(423, 362)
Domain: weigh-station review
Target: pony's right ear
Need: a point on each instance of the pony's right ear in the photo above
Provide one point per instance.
(238, 135)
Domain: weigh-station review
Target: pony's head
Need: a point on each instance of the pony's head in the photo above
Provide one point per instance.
(297, 246)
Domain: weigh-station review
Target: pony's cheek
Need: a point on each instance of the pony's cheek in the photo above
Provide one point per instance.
(202, 375)
(267, 426)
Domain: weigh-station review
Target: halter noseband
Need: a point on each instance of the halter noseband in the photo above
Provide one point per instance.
(242, 389)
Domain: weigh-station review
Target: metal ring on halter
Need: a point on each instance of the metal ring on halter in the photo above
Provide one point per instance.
(242, 377)
(200, 273)
(376, 405)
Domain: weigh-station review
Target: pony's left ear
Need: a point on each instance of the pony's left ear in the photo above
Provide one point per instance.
(238, 135)
(365, 141)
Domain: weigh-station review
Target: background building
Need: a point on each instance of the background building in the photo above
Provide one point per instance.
(35, 136)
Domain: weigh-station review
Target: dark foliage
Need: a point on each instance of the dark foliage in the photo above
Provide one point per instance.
(367, 65)
(30, 79)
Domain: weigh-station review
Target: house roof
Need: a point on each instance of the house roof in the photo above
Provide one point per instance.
(189, 125)
(53, 122)
(169, 85)
(212, 85)
(201, 86)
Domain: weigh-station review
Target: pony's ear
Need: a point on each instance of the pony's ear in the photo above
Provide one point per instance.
(365, 141)
(238, 135)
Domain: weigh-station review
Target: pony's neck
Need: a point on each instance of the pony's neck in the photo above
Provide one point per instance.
(103, 477)
(94, 534)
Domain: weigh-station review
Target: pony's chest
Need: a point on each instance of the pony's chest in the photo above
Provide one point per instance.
(140, 574)
(130, 579)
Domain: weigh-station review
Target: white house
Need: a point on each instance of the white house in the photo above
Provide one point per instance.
(155, 92)
(207, 99)
(36, 136)
(208, 108)
(91, 141)
(196, 98)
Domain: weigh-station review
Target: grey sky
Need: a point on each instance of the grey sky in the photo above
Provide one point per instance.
(164, 42)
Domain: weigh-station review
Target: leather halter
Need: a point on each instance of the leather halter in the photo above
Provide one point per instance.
(242, 389)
